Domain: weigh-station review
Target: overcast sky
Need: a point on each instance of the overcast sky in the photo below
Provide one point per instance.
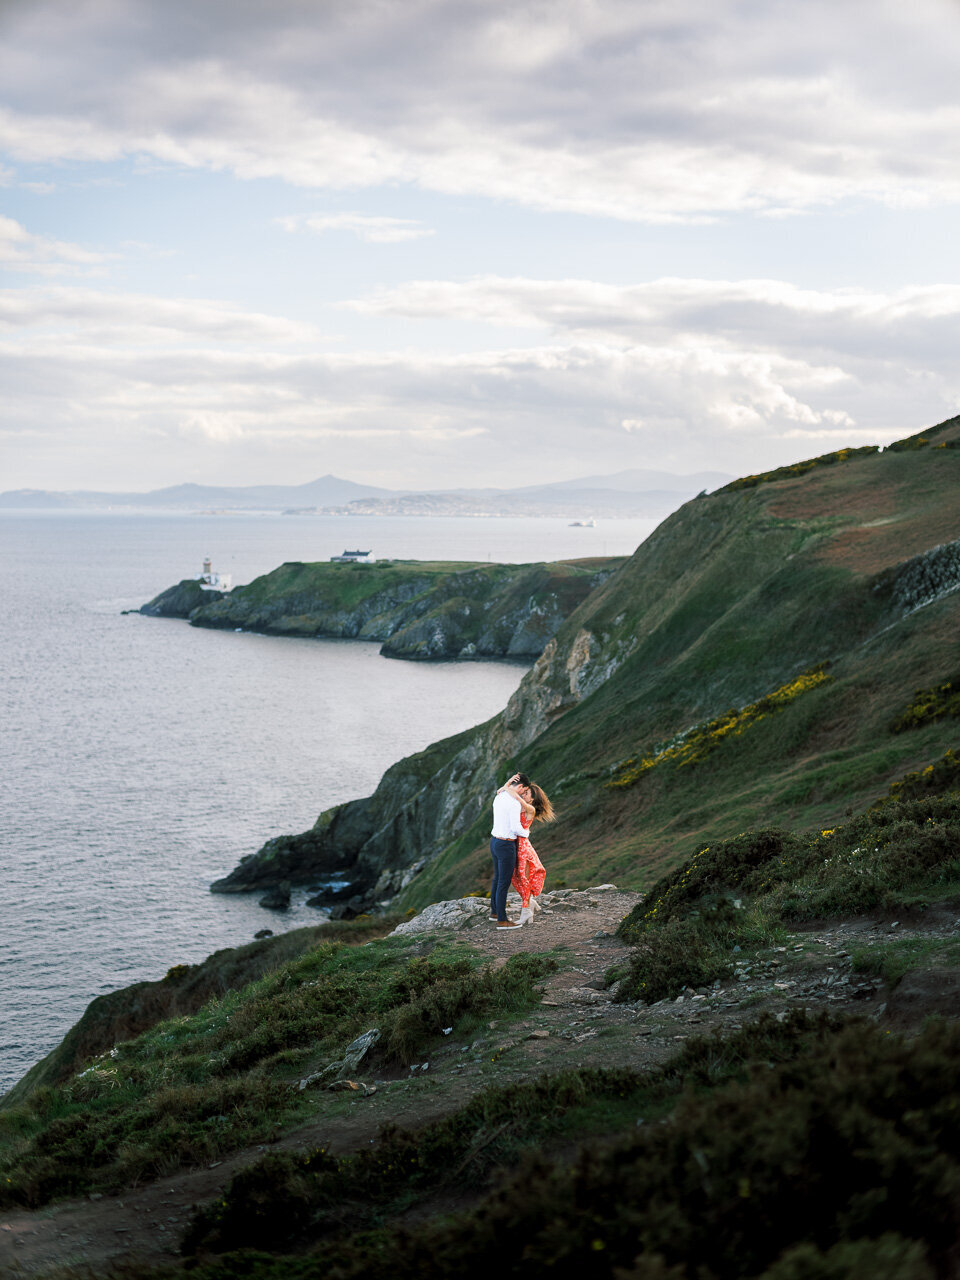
(459, 242)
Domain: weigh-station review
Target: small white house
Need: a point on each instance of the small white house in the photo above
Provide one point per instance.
(210, 581)
(354, 557)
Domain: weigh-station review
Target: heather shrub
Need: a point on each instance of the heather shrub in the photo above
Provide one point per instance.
(678, 954)
(854, 1146)
(745, 862)
(194, 1088)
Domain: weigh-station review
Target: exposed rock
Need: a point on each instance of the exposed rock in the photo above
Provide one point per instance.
(418, 611)
(278, 898)
(180, 601)
(358, 905)
(445, 915)
(353, 1054)
(264, 933)
(924, 993)
(460, 912)
(926, 577)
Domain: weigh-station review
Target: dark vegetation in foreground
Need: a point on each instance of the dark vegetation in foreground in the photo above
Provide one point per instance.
(802, 1150)
(902, 853)
(194, 1088)
(805, 1147)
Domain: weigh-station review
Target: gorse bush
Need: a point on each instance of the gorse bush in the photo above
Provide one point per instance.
(195, 1087)
(880, 858)
(711, 873)
(737, 892)
(934, 780)
(696, 743)
(678, 954)
(800, 468)
(928, 705)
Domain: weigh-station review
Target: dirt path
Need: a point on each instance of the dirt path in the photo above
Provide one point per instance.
(577, 1024)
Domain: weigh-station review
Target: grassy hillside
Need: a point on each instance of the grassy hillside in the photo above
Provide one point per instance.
(811, 1144)
(756, 718)
(419, 609)
(726, 605)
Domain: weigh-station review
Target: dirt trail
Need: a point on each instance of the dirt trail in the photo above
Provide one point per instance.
(577, 1024)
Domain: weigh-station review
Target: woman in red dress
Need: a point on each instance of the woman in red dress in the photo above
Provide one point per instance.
(530, 873)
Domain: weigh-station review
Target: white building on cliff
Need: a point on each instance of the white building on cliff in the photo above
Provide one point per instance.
(354, 557)
(210, 581)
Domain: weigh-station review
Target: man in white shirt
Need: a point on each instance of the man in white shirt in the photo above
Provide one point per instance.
(503, 848)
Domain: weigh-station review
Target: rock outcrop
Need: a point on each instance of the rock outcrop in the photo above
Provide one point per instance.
(732, 597)
(180, 601)
(418, 611)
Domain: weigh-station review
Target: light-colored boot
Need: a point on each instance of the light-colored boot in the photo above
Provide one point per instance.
(535, 903)
(526, 915)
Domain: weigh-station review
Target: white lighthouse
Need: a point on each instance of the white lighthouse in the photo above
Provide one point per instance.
(210, 581)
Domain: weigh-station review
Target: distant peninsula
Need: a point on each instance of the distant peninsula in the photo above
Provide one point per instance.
(419, 610)
(632, 493)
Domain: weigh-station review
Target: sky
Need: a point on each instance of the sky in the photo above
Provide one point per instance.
(429, 243)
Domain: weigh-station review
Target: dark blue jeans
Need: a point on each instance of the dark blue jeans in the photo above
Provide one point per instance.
(504, 854)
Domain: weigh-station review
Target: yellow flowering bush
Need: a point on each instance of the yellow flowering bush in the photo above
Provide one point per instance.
(693, 745)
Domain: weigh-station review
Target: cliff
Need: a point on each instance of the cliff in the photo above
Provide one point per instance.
(179, 601)
(677, 701)
(123, 1014)
(418, 609)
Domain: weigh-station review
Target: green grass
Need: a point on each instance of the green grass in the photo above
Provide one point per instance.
(287, 1200)
(889, 960)
(808, 1150)
(196, 1087)
(737, 892)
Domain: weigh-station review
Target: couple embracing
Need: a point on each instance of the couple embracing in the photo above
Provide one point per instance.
(516, 806)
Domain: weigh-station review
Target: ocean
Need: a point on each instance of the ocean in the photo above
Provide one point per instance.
(140, 758)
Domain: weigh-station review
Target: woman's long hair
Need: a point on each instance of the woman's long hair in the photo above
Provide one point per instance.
(541, 803)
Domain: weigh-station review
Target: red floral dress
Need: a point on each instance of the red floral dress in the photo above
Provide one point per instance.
(530, 873)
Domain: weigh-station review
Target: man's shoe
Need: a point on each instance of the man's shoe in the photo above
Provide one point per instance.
(508, 924)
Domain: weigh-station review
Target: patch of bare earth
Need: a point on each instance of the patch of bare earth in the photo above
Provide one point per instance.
(576, 1024)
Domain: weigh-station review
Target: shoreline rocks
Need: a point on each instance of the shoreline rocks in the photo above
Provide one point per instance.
(419, 612)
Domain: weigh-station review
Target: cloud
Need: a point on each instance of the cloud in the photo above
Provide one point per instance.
(648, 112)
(915, 324)
(373, 229)
(740, 374)
(21, 250)
(87, 316)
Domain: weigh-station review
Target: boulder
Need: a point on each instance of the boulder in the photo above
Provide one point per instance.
(277, 898)
(456, 914)
(346, 1065)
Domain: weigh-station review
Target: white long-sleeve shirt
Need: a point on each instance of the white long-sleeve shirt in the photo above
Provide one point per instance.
(506, 817)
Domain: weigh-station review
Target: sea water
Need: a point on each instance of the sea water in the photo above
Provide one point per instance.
(140, 758)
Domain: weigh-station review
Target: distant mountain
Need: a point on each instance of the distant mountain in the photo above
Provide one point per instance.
(327, 491)
(638, 480)
(649, 494)
(635, 492)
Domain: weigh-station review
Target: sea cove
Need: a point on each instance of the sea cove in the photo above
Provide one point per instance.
(142, 757)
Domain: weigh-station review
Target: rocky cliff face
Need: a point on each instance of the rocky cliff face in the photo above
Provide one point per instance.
(425, 801)
(731, 596)
(180, 601)
(417, 611)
